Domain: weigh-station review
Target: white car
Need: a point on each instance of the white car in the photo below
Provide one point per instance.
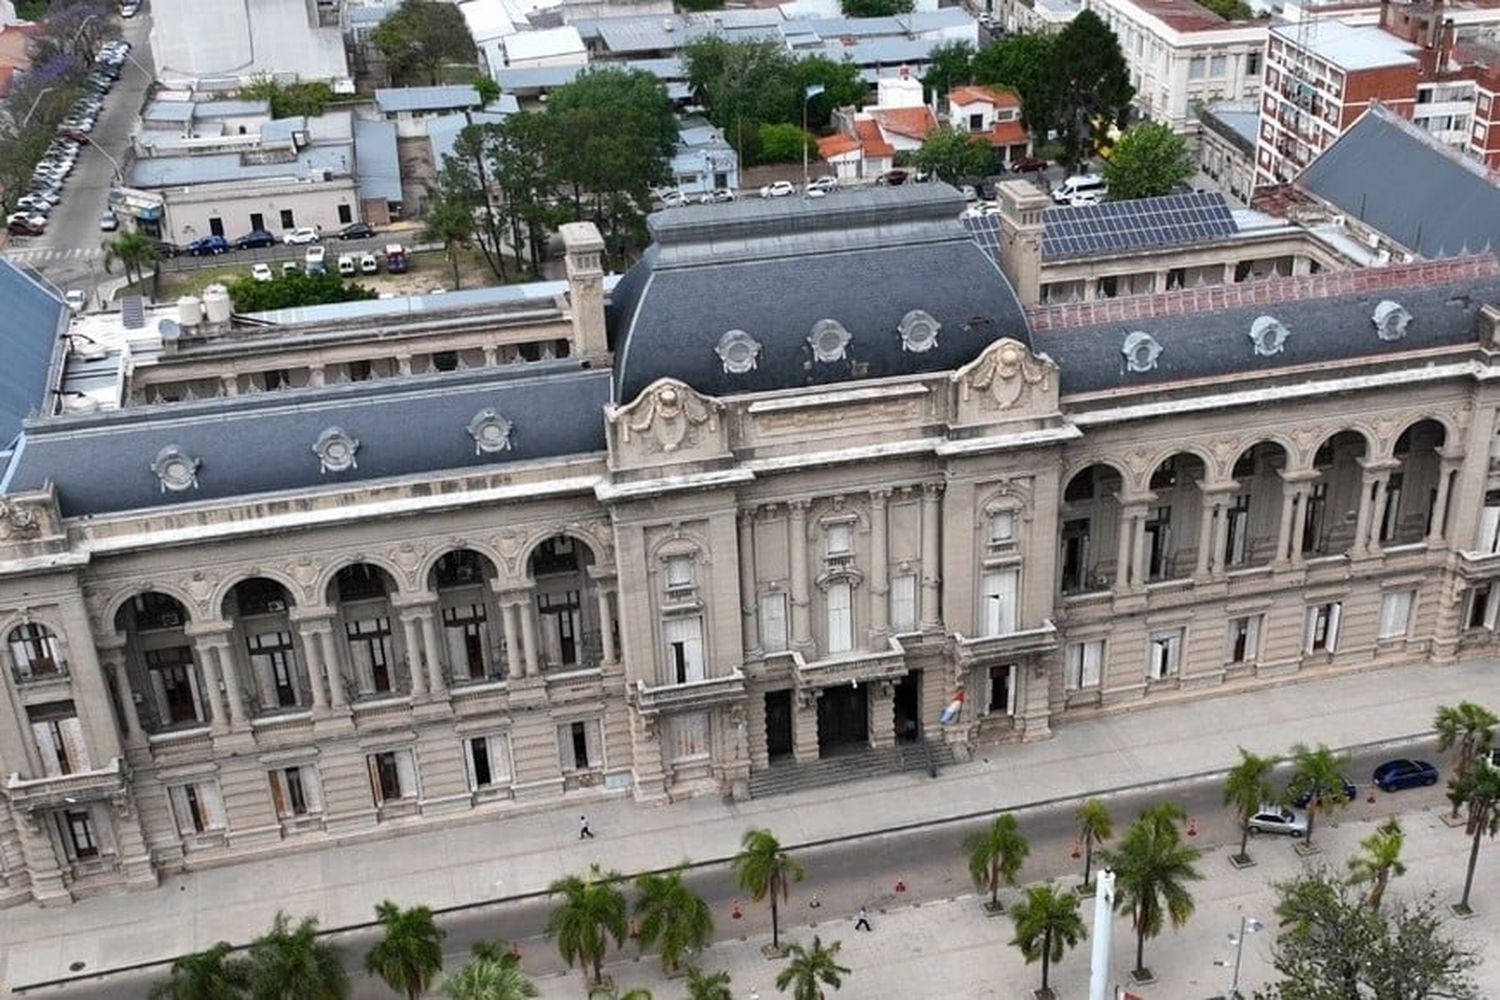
(300, 235)
(261, 272)
(76, 299)
(369, 264)
(827, 182)
(1279, 819)
(315, 258)
(673, 199)
(717, 196)
(109, 221)
(780, 189)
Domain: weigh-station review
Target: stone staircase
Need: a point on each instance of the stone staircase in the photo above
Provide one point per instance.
(792, 776)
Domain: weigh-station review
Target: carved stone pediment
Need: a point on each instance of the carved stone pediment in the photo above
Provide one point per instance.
(668, 416)
(1007, 378)
(30, 522)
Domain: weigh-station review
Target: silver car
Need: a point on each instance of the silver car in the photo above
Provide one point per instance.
(1286, 820)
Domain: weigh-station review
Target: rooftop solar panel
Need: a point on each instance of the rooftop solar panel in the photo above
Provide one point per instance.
(132, 312)
(1123, 226)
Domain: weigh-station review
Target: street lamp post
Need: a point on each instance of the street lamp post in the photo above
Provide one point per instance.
(1248, 925)
(40, 94)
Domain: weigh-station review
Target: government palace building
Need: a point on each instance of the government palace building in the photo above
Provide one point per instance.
(813, 481)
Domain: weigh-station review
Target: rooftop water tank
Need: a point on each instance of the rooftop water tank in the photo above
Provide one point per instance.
(216, 304)
(189, 311)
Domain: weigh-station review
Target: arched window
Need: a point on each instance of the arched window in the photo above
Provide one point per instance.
(34, 652)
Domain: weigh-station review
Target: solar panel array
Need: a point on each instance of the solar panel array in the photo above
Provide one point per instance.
(1122, 226)
(985, 230)
(133, 312)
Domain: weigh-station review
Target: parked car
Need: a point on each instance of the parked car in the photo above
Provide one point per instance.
(827, 182)
(26, 224)
(1394, 775)
(206, 246)
(1080, 189)
(314, 259)
(673, 199)
(780, 189)
(261, 272)
(348, 266)
(717, 196)
(369, 264)
(108, 221)
(1028, 165)
(1350, 794)
(76, 298)
(357, 231)
(37, 202)
(893, 178)
(129, 8)
(256, 238)
(290, 267)
(165, 249)
(1279, 819)
(301, 235)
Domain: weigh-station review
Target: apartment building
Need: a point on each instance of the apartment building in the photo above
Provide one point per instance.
(270, 581)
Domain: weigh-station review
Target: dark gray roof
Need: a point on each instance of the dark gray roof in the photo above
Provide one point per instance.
(1387, 173)
(1206, 342)
(31, 323)
(375, 157)
(264, 443)
(775, 268)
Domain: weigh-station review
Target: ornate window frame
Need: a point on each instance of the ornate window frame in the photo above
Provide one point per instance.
(336, 450)
(491, 432)
(175, 469)
(739, 352)
(919, 331)
(829, 341)
(1269, 335)
(1140, 351)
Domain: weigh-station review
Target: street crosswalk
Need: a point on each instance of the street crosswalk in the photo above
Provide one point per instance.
(46, 255)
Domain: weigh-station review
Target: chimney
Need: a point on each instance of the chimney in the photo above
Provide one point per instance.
(583, 253)
(1021, 207)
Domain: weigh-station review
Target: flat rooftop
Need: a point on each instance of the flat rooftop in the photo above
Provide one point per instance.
(1351, 47)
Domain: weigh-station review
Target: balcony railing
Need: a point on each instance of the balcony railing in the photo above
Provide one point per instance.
(858, 667)
(692, 696)
(1018, 643)
(30, 794)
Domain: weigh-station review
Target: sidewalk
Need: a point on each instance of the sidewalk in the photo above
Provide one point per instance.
(467, 863)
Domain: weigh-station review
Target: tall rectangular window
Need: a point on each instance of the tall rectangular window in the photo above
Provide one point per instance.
(370, 653)
(998, 594)
(1164, 653)
(393, 775)
(197, 807)
(1483, 601)
(1395, 613)
(1390, 518)
(1489, 525)
(272, 661)
(1002, 528)
(1237, 534)
(295, 791)
(838, 540)
(487, 759)
(1159, 544)
(58, 736)
(465, 639)
(904, 602)
(580, 746)
(1083, 664)
(773, 636)
(679, 573)
(79, 838)
(33, 650)
(684, 639)
(1243, 642)
(1322, 629)
(840, 618)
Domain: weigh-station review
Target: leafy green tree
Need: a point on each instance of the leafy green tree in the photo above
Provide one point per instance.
(1088, 87)
(1468, 726)
(1246, 789)
(842, 86)
(1148, 159)
(1318, 773)
(592, 911)
(1229, 10)
(953, 154)
(1024, 64)
(996, 854)
(294, 290)
(410, 955)
(876, 8)
(466, 177)
(288, 100)
(135, 252)
(1330, 946)
(1478, 789)
(207, 975)
(1152, 868)
(420, 37)
(1379, 861)
(766, 871)
(449, 218)
(808, 970)
(1094, 827)
(1047, 923)
(489, 90)
(707, 985)
(673, 916)
(743, 84)
(783, 144)
(949, 65)
(289, 963)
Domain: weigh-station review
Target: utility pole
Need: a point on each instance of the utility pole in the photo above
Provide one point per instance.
(1104, 914)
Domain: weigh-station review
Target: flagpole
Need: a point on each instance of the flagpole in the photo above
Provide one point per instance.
(805, 98)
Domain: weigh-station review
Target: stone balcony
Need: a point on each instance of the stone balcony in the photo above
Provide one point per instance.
(33, 794)
(693, 696)
(860, 667)
(985, 648)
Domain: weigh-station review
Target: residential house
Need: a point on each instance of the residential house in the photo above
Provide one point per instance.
(1226, 146)
(411, 107)
(561, 46)
(995, 115)
(858, 151)
(15, 51)
(703, 161)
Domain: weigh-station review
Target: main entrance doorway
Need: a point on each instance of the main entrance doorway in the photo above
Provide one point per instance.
(909, 707)
(843, 719)
(778, 724)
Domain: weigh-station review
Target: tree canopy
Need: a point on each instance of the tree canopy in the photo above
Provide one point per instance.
(1149, 159)
(1230, 10)
(288, 100)
(953, 154)
(292, 290)
(876, 8)
(949, 65)
(1024, 64)
(1087, 87)
(420, 37)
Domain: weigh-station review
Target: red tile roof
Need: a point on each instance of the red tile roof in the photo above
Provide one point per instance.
(912, 122)
(1184, 15)
(984, 95)
(1007, 133)
(870, 137)
(1211, 298)
(836, 144)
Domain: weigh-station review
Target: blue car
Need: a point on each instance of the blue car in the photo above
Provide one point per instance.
(1350, 793)
(206, 246)
(1395, 775)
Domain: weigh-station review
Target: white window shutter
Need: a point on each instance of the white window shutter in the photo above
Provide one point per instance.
(1489, 531)
(213, 806)
(373, 766)
(1092, 663)
(999, 595)
(1252, 638)
(312, 788)
(406, 770)
(469, 771)
(773, 622)
(182, 810)
(500, 759)
(20, 653)
(904, 602)
(75, 745)
(47, 747)
(1310, 630)
(276, 780)
(840, 628)
(1491, 606)
(104, 829)
(1335, 612)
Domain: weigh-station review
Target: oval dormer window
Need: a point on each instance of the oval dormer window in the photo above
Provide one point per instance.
(738, 351)
(1269, 335)
(829, 340)
(919, 331)
(1141, 351)
(336, 450)
(1390, 319)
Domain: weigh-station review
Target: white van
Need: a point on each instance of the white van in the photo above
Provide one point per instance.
(348, 265)
(1080, 189)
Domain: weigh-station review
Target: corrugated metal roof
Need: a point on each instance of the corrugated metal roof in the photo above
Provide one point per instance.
(392, 100)
(175, 171)
(376, 163)
(443, 130)
(1395, 178)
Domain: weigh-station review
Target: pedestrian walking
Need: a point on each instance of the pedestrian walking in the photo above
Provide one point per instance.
(863, 923)
(583, 828)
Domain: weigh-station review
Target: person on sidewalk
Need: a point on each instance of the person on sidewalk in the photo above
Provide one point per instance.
(863, 923)
(583, 828)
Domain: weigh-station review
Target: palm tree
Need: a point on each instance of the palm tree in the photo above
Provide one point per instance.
(1467, 726)
(592, 911)
(208, 975)
(1246, 789)
(287, 964)
(707, 985)
(1094, 827)
(766, 871)
(488, 978)
(410, 955)
(134, 250)
(995, 855)
(674, 915)
(1479, 789)
(1380, 862)
(1047, 922)
(1318, 774)
(809, 969)
(1151, 866)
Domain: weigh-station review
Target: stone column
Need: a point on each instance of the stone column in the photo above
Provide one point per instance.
(797, 545)
(931, 572)
(1208, 523)
(1139, 572)
(1284, 525)
(415, 667)
(1299, 521)
(114, 662)
(229, 669)
(1437, 532)
(749, 610)
(1125, 547)
(203, 652)
(312, 655)
(1376, 520)
(529, 638)
(879, 567)
(513, 666)
(433, 650)
(805, 725)
(882, 708)
(331, 663)
(606, 624)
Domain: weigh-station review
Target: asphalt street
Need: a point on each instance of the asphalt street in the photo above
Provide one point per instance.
(843, 877)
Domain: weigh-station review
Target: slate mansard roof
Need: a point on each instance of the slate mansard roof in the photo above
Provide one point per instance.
(774, 269)
(31, 324)
(102, 463)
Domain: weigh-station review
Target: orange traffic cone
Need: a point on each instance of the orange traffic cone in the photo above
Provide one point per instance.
(900, 885)
(1077, 851)
(1192, 830)
(734, 910)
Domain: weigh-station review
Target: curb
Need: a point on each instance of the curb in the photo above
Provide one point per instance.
(924, 824)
